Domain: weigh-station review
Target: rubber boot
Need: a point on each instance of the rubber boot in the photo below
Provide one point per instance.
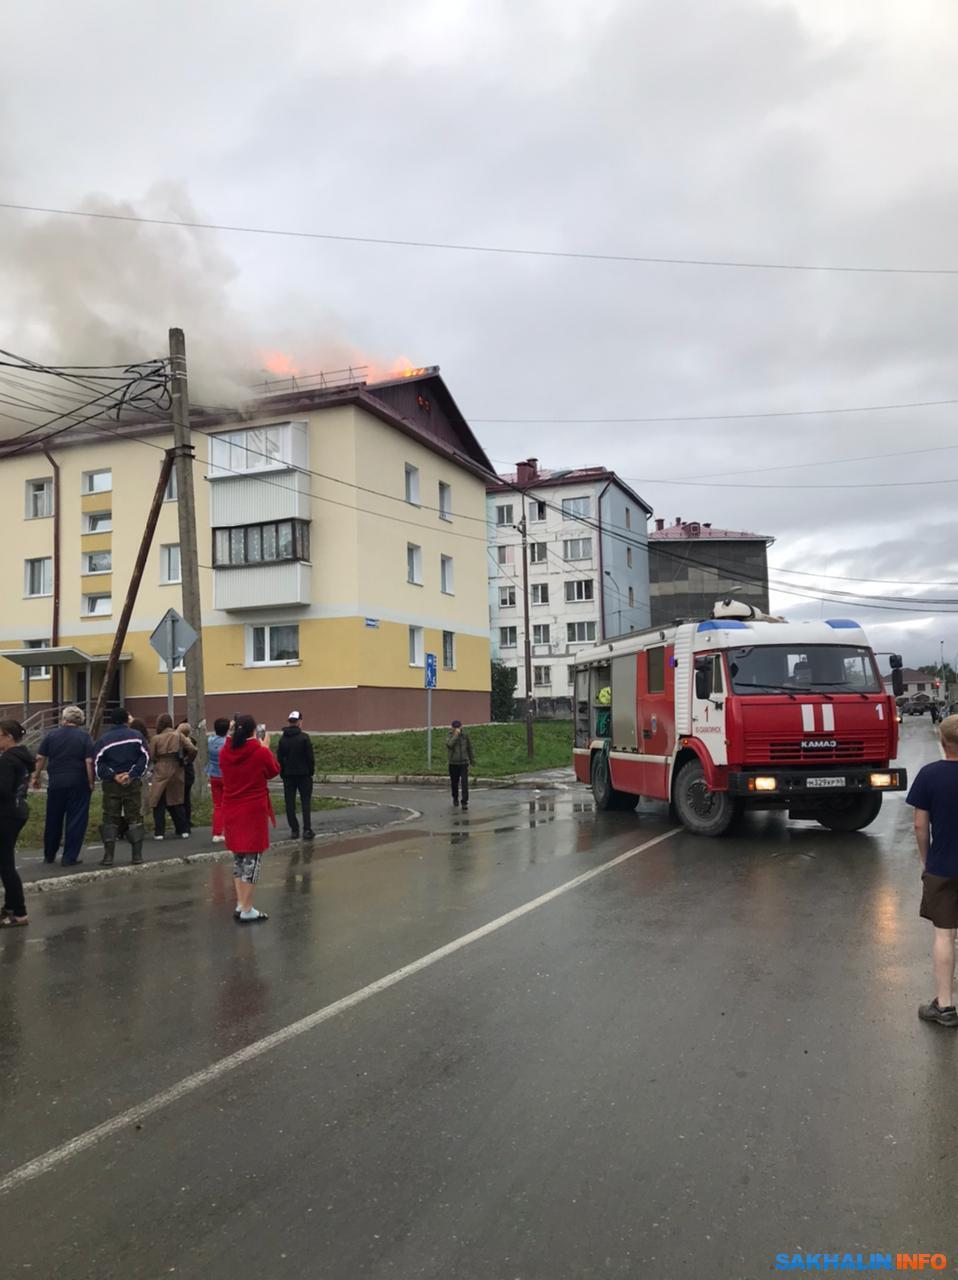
(108, 835)
(136, 842)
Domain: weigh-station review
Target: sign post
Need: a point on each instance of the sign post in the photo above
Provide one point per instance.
(172, 639)
(430, 685)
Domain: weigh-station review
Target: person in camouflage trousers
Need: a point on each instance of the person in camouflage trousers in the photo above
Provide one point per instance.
(120, 761)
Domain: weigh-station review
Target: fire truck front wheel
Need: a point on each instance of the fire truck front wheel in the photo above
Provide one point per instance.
(707, 813)
(851, 813)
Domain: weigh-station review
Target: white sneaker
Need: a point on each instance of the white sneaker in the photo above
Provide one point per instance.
(219, 839)
(184, 835)
(159, 837)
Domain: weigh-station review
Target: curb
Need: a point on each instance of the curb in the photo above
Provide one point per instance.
(61, 883)
(432, 780)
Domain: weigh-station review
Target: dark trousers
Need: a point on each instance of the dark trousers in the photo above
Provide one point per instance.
(459, 774)
(177, 813)
(69, 806)
(189, 777)
(302, 787)
(13, 899)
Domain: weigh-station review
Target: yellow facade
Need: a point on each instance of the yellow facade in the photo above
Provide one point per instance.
(354, 626)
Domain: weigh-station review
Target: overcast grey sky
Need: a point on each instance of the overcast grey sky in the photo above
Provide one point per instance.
(801, 131)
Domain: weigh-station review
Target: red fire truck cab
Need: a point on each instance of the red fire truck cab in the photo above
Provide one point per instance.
(738, 711)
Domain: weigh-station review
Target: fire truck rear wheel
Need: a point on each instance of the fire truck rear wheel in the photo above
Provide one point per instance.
(851, 813)
(707, 813)
(606, 796)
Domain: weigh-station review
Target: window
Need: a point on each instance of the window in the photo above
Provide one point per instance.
(574, 508)
(628, 517)
(540, 633)
(447, 578)
(580, 632)
(656, 661)
(507, 637)
(260, 544)
(255, 449)
(505, 555)
(97, 481)
(631, 597)
(97, 606)
(38, 673)
(537, 512)
(39, 499)
(538, 553)
(507, 597)
(540, 593)
(445, 501)
(576, 592)
(628, 557)
(821, 668)
(541, 676)
(97, 521)
(921, 686)
(414, 564)
(504, 514)
(98, 562)
(417, 649)
(412, 484)
(38, 577)
(273, 645)
(448, 651)
(577, 549)
(171, 492)
(571, 677)
(170, 563)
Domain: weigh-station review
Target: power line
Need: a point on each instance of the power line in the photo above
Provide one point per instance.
(504, 250)
(722, 417)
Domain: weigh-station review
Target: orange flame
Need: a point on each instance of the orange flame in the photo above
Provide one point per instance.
(282, 365)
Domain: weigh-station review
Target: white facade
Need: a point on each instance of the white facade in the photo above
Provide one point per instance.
(579, 592)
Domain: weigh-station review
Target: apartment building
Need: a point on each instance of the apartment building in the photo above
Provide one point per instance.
(341, 536)
(588, 570)
(692, 564)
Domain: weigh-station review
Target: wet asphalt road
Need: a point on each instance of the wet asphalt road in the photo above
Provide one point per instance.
(699, 1058)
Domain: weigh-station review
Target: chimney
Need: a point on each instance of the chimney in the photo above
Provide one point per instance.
(659, 524)
(527, 472)
(678, 521)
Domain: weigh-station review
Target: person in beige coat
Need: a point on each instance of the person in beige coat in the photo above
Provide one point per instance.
(169, 750)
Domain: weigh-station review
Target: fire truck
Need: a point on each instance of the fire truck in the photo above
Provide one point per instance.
(739, 711)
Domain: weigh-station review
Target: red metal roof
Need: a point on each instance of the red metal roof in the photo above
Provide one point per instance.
(691, 531)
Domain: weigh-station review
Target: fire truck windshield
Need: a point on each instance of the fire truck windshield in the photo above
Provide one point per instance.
(819, 668)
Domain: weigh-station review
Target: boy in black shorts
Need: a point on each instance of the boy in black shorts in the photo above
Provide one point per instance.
(934, 795)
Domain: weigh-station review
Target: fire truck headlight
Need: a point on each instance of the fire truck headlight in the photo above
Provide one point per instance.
(882, 779)
(765, 784)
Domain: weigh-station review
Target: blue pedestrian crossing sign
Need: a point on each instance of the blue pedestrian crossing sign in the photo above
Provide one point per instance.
(430, 671)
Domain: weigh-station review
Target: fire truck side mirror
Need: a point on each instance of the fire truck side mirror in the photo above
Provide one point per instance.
(703, 678)
(897, 678)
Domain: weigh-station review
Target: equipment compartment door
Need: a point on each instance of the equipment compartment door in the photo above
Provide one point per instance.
(656, 719)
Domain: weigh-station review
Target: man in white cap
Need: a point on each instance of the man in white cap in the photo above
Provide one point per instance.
(297, 765)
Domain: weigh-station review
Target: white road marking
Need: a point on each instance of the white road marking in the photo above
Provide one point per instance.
(50, 1160)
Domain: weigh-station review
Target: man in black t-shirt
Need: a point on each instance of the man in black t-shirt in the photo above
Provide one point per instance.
(934, 796)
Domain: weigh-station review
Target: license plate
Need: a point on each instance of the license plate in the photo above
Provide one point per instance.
(826, 782)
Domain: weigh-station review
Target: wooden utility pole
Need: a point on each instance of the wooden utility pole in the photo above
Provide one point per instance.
(530, 745)
(189, 556)
(119, 638)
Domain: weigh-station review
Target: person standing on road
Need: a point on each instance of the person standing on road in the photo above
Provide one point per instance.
(189, 774)
(67, 754)
(297, 764)
(247, 765)
(461, 756)
(214, 745)
(120, 763)
(168, 749)
(16, 762)
(934, 797)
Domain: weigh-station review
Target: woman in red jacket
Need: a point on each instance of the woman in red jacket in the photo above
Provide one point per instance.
(247, 766)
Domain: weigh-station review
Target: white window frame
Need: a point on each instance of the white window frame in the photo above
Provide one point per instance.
(265, 448)
(90, 516)
(537, 633)
(538, 552)
(90, 573)
(507, 597)
(504, 514)
(538, 683)
(447, 575)
(38, 673)
(576, 597)
(45, 491)
(540, 593)
(538, 511)
(89, 481)
(505, 555)
(582, 545)
(417, 647)
(449, 636)
(445, 501)
(573, 629)
(92, 607)
(46, 577)
(414, 564)
(411, 484)
(576, 508)
(504, 641)
(165, 579)
(170, 493)
(267, 628)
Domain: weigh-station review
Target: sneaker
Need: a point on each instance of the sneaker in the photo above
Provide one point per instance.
(309, 835)
(947, 1017)
(455, 804)
(465, 808)
(184, 835)
(159, 837)
(219, 839)
(293, 835)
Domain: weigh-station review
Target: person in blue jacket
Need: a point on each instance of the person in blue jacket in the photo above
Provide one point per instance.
(120, 761)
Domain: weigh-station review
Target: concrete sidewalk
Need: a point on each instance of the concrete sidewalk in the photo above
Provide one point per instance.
(174, 851)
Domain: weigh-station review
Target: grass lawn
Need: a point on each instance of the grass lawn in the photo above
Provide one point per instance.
(32, 835)
(500, 750)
